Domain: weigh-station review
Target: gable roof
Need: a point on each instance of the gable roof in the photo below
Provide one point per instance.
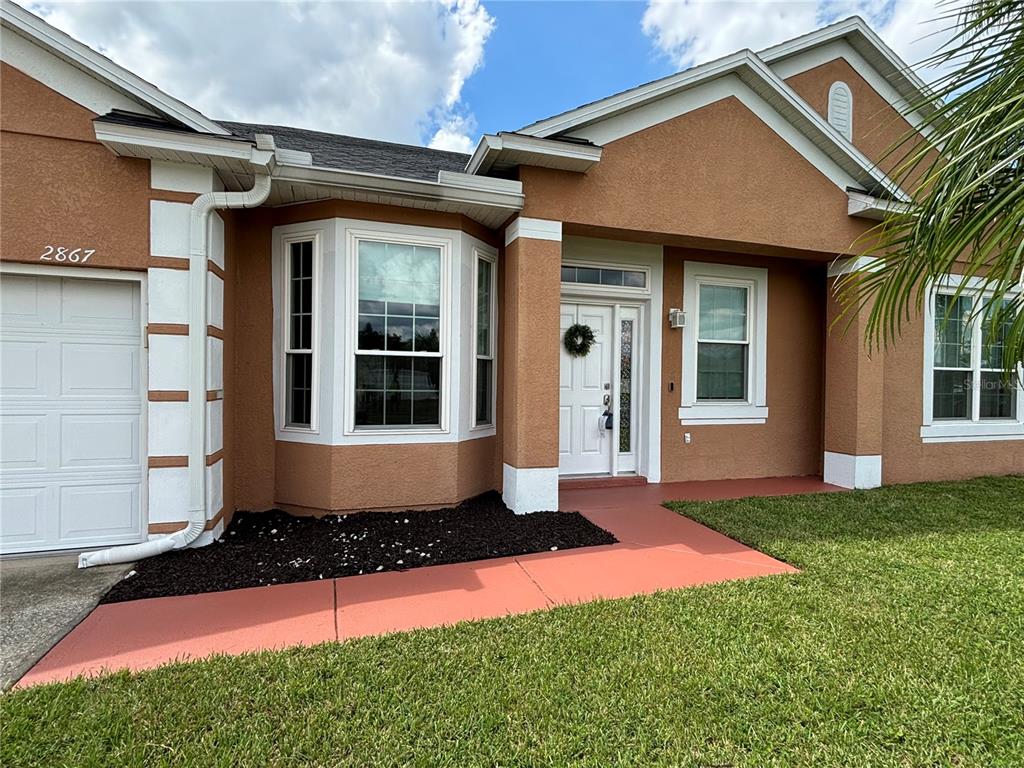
(84, 58)
(355, 154)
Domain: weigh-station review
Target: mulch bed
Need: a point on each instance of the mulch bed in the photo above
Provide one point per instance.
(264, 548)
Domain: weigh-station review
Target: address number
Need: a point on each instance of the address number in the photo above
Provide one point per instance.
(66, 255)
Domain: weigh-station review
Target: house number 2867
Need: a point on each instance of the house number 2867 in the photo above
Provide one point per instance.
(67, 255)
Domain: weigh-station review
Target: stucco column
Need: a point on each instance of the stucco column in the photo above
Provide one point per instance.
(530, 339)
(854, 390)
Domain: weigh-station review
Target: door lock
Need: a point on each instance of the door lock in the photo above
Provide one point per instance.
(607, 400)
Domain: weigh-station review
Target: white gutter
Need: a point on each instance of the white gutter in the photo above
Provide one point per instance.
(199, 224)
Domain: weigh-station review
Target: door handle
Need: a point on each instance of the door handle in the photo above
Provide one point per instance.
(607, 400)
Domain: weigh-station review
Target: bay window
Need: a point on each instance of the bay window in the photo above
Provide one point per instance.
(965, 358)
(483, 337)
(399, 332)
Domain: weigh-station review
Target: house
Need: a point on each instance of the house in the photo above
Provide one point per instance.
(203, 316)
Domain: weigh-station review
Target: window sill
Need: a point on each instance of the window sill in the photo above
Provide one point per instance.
(971, 431)
(717, 413)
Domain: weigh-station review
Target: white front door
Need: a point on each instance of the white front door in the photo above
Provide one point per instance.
(70, 413)
(586, 390)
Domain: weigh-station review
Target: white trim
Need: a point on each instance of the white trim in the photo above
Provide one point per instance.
(849, 471)
(491, 258)
(447, 389)
(840, 90)
(180, 177)
(530, 489)
(507, 150)
(534, 229)
(83, 57)
(606, 290)
(142, 278)
(972, 429)
(755, 410)
(286, 241)
(867, 206)
(845, 265)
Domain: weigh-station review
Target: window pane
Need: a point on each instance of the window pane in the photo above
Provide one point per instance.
(300, 279)
(484, 370)
(299, 379)
(625, 385)
(952, 331)
(588, 275)
(998, 396)
(721, 371)
(483, 308)
(371, 332)
(993, 344)
(634, 279)
(427, 339)
(611, 277)
(951, 395)
(723, 313)
(399, 272)
(568, 274)
(397, 391)
(399, 334)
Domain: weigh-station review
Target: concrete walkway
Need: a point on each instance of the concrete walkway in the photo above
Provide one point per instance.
(41, 600)
(657, 550)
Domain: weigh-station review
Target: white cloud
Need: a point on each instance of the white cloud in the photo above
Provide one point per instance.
(692, 32)
(386, 70)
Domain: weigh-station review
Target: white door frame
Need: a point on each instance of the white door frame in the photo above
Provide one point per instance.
(98, 273)
(573, 294)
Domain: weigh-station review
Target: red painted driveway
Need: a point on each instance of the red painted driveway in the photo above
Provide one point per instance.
(657, 550)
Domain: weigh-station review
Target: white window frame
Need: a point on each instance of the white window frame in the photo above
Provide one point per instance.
(754, 410)
(445, 244)
(478, 256)
(286, 349)
(606, 290)
(974, 429)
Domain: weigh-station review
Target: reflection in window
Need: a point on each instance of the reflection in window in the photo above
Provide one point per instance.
(625, 386)
(621, 278)
(484, 342)
(398, 348)
(298, 354)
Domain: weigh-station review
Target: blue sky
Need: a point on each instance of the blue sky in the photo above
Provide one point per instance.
(546, 57)
(439, 72)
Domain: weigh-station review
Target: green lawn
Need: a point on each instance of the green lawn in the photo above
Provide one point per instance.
(901, 643)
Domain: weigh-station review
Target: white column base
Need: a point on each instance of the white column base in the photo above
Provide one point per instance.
(848, 471)
(533, 489)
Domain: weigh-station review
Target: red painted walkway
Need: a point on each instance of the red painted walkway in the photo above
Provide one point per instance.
(657, 550)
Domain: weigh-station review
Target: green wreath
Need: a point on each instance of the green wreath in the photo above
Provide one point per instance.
(578, 339)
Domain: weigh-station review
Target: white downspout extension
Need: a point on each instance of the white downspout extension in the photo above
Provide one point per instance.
(201, 209)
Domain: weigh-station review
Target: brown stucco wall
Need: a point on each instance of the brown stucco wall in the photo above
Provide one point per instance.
(717, 173)
(60, 187)
(530, 333)
(905, 459)
(318, 478)
(877, 125)
(790, 443)
(853, 384)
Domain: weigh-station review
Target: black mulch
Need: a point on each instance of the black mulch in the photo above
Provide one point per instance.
(263, 548)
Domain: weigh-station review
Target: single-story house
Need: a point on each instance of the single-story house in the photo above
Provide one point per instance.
(201, 316)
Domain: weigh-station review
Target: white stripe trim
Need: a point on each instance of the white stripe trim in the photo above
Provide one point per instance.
(535, 229)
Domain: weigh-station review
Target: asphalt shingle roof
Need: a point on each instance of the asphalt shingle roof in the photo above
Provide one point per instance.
(354, 154)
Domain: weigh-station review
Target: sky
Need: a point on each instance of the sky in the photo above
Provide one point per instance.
(442, 72)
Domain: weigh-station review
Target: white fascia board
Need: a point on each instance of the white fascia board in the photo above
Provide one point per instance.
(575, 157)
(80, 55)
(863, 40)
(866, 206)
(850, 264)
(146, 142)
(486, 183)
(395, 185)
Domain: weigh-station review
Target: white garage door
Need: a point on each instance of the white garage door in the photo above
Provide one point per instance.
(70, 413)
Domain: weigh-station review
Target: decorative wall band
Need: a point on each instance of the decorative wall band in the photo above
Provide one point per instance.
(217, 333)
(536, 229)
(163, 462)
(213, 458)
(167, 329)
(172, 527)
(167, 262)
(212, 266)
(180, 395)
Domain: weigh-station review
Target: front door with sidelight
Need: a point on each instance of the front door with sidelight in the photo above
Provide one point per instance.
(586, 390)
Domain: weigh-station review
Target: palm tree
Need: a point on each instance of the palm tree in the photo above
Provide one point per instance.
(967, 213)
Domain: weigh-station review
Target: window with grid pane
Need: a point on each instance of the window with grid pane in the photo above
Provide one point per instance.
(998, 396)
(398, 347)
(723, 342)
(484, 338)
(299, 335)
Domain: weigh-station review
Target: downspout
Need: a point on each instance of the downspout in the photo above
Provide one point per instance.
(198, 256)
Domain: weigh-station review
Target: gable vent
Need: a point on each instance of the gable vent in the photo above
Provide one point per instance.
(840, 109)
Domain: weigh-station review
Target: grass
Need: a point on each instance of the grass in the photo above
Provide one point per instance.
(901, 643)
